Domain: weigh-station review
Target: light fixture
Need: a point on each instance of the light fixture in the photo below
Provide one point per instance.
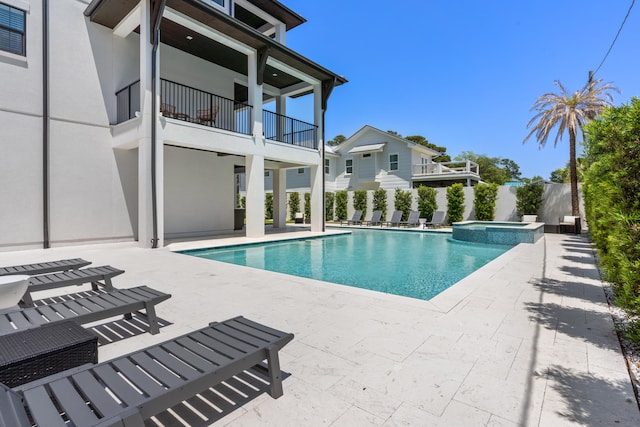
(275, 74)
(189, 37)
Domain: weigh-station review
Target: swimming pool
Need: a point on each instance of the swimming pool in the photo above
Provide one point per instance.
(412, 264)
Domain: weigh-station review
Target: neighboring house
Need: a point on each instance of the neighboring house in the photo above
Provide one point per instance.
(111, 130)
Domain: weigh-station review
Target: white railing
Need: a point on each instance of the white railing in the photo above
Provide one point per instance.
(466, 167)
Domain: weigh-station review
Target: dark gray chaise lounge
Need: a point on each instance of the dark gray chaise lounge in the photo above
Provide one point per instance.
(396, 217)
(356, 219)
(437, 219)
(87, 309)
(376, 216)
(413, 220)
(44, 267)
(94, 275)
(147, 381)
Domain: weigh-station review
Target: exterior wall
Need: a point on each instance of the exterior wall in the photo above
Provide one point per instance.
(198, 193)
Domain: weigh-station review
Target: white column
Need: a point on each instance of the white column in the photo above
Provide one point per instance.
(279, 198)
(145, 210)
(255, 97)
(281, 108)
(254, 168)
(317, 197)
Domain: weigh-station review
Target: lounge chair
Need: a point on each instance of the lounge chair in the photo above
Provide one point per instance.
(413, 220)
(376, 217)
(130, 389)
(570, 224)
(87, 309)
(94, 275)
(437, 219)
(44, 267)
(356, 219)
(395, 220)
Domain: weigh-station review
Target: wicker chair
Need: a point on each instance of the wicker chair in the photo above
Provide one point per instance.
(207, 116)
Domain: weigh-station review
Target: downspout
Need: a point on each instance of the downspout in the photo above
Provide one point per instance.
(324, 178)
(45, 124)
(155, 36)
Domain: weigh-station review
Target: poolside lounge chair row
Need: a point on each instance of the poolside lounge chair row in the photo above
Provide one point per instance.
(438, 219)
(130, 389)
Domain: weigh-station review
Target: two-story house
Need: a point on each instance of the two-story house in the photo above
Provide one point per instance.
(132, 119)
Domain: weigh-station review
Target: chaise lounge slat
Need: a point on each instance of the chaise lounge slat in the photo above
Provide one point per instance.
(44, 267)
(97, 276)
(85, 395)
(88, 309)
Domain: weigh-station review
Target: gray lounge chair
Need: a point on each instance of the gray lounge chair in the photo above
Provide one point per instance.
(87, 309)
(413, 220)
(437, 219)
(97, 276)
(147, 381)
(395, 220)
(44, 267)
(376, 217)
(356, 219)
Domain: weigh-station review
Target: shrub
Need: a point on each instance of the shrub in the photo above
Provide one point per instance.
(380, 202)
(329, 199)
(307, 206)
(294, 205)
(360, 201)
(268, 206)
(612, 200)
(426, 199)
(341, 205)
(403, 202)
(484, 201)
(529, 199)
(243, 202)
(455, 203)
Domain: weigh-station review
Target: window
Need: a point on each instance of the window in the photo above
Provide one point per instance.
(266, 174)
(12, 30)
(327, 166)
(300, 171)
(366, 155)
(219, 4)
(393, 162)
(349, 166)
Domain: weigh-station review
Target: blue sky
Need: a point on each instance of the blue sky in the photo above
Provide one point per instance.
(464, 73)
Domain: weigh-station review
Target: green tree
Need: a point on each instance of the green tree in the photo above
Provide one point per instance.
(341, 205)
(360, 201)
(403, 203)
(569, 113)
(484, 202)
(307, 207)
(455, 203)
(337, 140)
(559, 175)
(329, 198)
(268, 206)
(426, 199)
(294, 205)
(529, 198)
(380, 202)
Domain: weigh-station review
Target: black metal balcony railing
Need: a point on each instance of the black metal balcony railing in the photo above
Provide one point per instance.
(290, 131)
(193, 105)
(182, 102)
(128, 102)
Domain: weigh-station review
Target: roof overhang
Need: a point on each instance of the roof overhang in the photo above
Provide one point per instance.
(284, 66)
(371, 148)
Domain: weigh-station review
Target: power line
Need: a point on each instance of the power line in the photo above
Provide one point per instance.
(615, 38)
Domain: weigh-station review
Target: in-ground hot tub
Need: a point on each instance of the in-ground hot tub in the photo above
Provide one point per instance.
(498, 233)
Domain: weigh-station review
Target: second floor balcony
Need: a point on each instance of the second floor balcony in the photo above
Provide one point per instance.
(185, 103)
(462, 168)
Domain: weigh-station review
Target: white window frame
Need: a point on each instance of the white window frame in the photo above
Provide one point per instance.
(347, 166)
(327, 166)
(396, 162)
(24, 8)
(300, 171)
(224, 7)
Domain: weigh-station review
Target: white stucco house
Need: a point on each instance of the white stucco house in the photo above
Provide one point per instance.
(132, 119)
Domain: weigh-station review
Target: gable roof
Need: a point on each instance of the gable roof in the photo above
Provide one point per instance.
(350, 144)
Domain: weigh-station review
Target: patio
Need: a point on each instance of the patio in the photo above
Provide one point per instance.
(527, 340)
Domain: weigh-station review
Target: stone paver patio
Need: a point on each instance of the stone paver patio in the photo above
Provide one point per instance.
(527, 340)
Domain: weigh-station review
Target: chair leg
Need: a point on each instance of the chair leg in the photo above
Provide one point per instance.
(275, 376)
(150, 310)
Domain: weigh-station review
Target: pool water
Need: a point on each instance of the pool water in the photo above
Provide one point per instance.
(416, 265)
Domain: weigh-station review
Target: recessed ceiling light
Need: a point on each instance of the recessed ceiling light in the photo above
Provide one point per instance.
(189, 38)
(275, 74)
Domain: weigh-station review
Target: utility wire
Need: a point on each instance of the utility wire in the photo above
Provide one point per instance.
(614, 40)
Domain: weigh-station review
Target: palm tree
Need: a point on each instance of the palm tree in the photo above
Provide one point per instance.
(569, 113)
